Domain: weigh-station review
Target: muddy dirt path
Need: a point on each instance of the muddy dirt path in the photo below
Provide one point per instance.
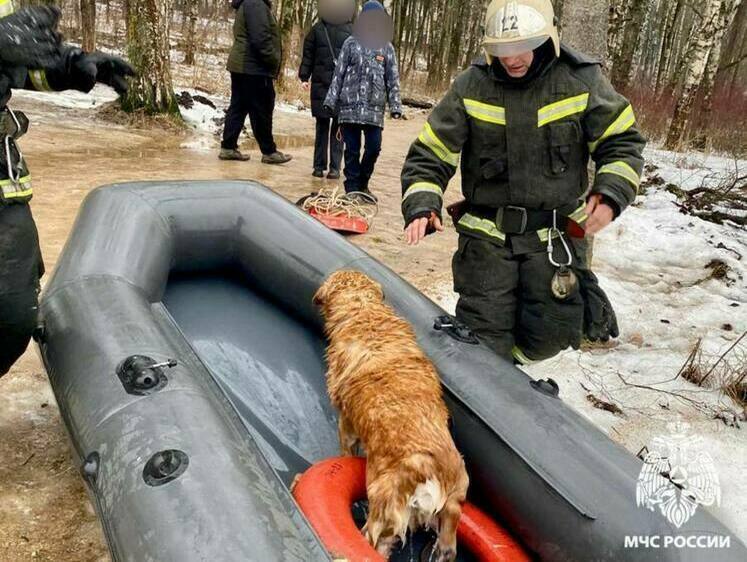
(44, 509)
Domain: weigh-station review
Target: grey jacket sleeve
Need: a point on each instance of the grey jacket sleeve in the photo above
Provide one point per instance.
(392, 81)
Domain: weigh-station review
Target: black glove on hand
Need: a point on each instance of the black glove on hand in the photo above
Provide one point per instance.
(28, 38)
(600, 322)
(90, 68)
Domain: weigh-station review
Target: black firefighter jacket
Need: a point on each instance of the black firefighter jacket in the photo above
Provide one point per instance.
(525, 145)
(256, 39)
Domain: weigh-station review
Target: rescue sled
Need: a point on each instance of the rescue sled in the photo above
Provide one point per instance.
(187, 359)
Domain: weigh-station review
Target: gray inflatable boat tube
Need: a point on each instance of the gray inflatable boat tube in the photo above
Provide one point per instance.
(193, 460)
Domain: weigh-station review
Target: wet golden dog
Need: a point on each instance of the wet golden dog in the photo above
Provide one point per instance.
(390, 400)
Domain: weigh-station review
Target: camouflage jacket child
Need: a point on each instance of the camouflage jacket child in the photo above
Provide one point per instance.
(364, 80)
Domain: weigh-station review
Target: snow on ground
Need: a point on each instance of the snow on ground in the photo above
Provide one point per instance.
(692, 169)
(70, 99)
(653, 262)
(203, 118)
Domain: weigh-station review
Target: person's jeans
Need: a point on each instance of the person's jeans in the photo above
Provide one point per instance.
(253, 96)
(327, 147)
(358, 171)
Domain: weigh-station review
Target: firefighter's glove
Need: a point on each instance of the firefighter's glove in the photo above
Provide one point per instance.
(29, 38)
(90, 68)
(600, 322)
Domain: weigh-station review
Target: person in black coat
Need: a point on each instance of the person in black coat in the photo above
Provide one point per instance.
(254, 63)
(321, 48)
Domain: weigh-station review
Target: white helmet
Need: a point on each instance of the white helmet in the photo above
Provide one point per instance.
(513, 27)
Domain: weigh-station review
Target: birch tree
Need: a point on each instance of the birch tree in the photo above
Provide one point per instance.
(699, 47)
(726, 16)
(635, 17)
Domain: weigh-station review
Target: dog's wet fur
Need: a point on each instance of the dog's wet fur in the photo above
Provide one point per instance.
(390, 402)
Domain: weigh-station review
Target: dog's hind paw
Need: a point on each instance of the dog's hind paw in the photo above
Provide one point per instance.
(444, 554)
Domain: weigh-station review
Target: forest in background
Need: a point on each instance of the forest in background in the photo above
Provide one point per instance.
(682, 63)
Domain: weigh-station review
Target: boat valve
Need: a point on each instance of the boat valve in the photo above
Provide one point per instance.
(164, 467)
(141, 375)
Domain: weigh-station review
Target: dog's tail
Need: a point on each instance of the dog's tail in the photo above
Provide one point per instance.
(409, 497)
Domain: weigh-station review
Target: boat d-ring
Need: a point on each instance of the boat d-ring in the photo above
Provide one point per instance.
(326, 491)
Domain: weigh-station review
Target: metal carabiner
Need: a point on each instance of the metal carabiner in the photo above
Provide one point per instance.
(550, 248)
(15, 120)
(13, 175)
(14, 171)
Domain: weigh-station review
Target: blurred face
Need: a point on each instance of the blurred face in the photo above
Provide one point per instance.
(517, 66)
(337, 12)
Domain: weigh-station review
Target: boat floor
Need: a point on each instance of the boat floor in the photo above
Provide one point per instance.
(271, 367)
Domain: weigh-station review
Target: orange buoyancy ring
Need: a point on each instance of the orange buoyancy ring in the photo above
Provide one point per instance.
(327, 490)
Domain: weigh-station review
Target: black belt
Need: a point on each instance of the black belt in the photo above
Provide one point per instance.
(512, 219)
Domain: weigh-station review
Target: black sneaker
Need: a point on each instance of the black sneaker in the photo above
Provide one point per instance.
(333, 175)
(318, 173)
(233, 154)
(276, 158)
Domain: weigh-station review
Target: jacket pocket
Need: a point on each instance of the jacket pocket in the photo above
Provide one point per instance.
(563, 145)
(491, 179)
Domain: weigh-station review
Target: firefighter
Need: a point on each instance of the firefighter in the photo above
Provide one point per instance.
(32, 56)
(525, 119)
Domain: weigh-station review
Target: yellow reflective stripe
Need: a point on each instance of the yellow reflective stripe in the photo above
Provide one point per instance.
(623, 122)
(543, 233)
(482, 225)
(6, 8)
(11, 190)
(485, 112)
(429, 138)
(520, 356)
(561, 109)
(622, 169)
(422, 187)
(39, 80)
(579, 214)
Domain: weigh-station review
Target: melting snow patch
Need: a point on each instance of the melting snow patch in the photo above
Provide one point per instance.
(71, 99)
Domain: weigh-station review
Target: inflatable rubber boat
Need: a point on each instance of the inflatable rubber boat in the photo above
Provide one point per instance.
(187, 359)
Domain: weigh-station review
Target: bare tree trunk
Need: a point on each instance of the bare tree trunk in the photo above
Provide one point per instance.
(148, 51)
(615, 28)
(88, 24)
(286, 32)
(726, 16)
(672, 17)
(629, 45)
(700, 45)
(191, 17)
